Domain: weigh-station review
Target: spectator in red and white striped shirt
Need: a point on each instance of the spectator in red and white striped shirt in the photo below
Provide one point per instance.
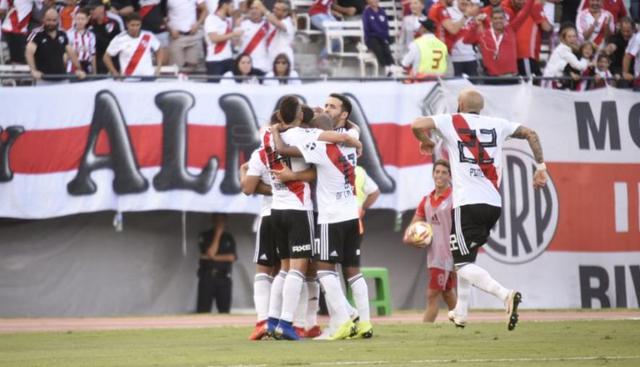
(15, 27)
(83, 43)
(595, 24)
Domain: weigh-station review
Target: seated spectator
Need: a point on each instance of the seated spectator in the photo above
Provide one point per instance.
(427, 56)
(68, 13)
(255, 30)
(497, 42)
(376, 34)
(243, 72)
(632, 75)
(83, 43)
(320, 12)
(46, 49)
(15, 27)
(617, 44)
(463, 56)
(134, 49)
(595, 24)
(218, 36)
(410, 26)
(184, 18)
(282, 68)
(562, 56)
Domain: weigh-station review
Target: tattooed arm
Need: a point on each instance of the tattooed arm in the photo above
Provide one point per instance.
(540, 176)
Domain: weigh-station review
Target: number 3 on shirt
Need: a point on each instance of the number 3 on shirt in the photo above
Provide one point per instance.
(437, 57)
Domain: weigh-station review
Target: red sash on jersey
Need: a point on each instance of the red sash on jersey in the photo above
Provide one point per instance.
(257, 38)
(271, 36)
(296, 187)
(220, 45)
(146, 10)
(137, 55)
(600, 37)
(17, 25)
(488, 169)
(342, 164)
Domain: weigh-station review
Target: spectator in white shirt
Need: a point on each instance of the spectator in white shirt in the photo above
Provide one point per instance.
(562, 56)
(410, 28)
(254, 37)
(283, 70)
(184, 20)
(595, 24)
(218, 37)
(282, 32)
(463, 56)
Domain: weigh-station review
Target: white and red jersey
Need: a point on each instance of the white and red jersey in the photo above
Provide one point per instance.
(134, 54)
(84, 43)
(633, 49)
(585, 19)
(280, 41)
(321, 7)
(336, 182)
(291, 195)
(258, 167)
(460, 51)
(474, 144)
(254, 43)
(615, 7)
(437, 212)
(217, 51)
(18, 15)
(182, 14)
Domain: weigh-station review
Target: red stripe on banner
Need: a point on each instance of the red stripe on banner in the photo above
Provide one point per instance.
(587, 213)
(59, 150)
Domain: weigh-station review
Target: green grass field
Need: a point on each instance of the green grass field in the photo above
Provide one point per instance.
(570, 343)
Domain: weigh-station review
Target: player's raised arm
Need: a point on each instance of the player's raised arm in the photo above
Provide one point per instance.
(540, 176)
(420, 128)
(286, 175)
(340, 138)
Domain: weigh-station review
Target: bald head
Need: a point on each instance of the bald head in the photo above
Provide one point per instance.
(322, 121)
(470, 100)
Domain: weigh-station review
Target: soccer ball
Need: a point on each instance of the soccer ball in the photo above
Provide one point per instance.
(419, 232)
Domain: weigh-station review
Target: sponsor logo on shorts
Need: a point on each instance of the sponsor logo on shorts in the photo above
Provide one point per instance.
(529, 217)
(301, 248)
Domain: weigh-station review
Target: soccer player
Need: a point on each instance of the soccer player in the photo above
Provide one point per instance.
(435, 209)
(475, 145)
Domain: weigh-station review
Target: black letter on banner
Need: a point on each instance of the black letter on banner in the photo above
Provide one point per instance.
(370, 159)
(599, 292)
(634, 123)
(587, 123)
(621, 286)
(242, 131)
(5, 147)
(128, 179)
(635, 279)
(173, 174)
(518, 232)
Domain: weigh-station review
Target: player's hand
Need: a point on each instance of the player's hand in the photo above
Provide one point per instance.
(284, 175)
(194, 29)
(81, 74)
(426, 147)
(36, 74)
(174, 34)
(539, 179)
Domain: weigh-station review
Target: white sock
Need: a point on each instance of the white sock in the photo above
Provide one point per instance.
(291, 294)
(313, 301)
(261, 290)
(462, 304)
(360, 293)
(336, 302)
(275, 297)
(300, 316)
(480, 278)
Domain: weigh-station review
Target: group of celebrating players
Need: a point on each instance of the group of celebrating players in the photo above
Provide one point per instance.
(310, 221)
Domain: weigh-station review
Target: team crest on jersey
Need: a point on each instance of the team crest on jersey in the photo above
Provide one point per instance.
(310, 146)
(60, 39)
(529, 217)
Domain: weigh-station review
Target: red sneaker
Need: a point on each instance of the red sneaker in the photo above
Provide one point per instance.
(299, 331)
(313, 332)
(259, 331)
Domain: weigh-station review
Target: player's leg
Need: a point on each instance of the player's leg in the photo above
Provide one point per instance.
(449, 295)
(437, 283)
(300, 315)
(313, 301)
(351, 269)
(205, 287)
(275, 294)
(264, 258)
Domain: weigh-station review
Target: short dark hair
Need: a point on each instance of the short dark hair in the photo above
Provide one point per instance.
(603, 56)
(443, 163)
(289, 106)
(275, 117)
(86, 11)
(134, 17)
(346, 103)
(307, 114)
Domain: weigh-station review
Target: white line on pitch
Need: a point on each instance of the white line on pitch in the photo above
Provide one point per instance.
(477, 360)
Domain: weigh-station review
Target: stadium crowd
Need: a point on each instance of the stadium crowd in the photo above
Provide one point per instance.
(591, 43)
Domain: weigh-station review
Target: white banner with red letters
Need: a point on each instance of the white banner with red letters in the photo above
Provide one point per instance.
(124, 146)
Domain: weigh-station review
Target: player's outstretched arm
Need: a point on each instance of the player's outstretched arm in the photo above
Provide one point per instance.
(282, 148)
(540, 176)
(420, 128)
(286, 175)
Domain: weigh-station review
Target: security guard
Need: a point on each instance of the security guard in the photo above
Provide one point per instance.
(427, 56)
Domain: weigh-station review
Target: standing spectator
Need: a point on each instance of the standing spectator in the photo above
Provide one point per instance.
(562, 56)
(376, 34)
(255, 30)
(463, 56)
(282, 69)
(15, 27)
(427, 56)
(46, 48)
(184, 20)
(595, 24)
(105, 28)
(153, 13)
(617, 8)
(218, 36)
(282, 33)
(217, 255)
(134, 49)
(632, 52)
(68, 13)
(83, 43)
(529, 37)
(497, 42)
(617, 44)
(409, 30)
(244, 71)
(446, 28)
